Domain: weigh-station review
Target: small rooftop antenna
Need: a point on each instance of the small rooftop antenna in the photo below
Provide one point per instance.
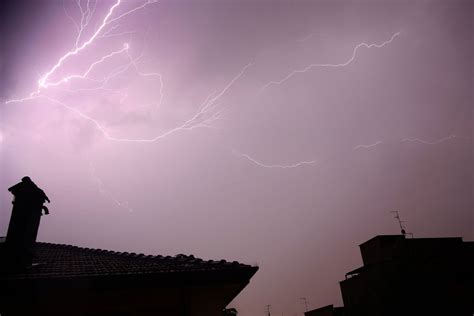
(305, 301)
(267, 309)
(400, 223)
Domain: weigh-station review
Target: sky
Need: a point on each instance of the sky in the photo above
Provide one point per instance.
(276, 133)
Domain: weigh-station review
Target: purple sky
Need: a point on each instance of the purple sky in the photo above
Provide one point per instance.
(180, 144)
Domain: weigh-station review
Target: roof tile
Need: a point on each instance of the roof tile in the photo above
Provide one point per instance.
(57, 260)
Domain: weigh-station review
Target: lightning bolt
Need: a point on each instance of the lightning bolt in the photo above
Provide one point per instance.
(107, 193)
(43, 81)
(206, 114)
(86, 15)
(306, 69)
(307, 37)
(273, 166)
(85, 75)
(425, 142)
(357, 147)
(344, 64)
(368, 146)
(414, 140)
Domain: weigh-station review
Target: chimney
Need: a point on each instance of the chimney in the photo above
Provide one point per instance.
(24, 222)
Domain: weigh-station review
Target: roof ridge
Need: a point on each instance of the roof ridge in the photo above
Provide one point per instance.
(180, 257)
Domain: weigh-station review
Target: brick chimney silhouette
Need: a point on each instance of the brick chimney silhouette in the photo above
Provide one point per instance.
(24, 221)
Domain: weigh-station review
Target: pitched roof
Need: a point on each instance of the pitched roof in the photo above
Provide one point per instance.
(67, 261)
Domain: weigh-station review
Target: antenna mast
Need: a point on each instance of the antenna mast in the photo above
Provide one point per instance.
(305, 301)
(267, 309)
(400, 223)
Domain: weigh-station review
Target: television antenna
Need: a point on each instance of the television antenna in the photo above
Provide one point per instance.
(267, 309)
(400, 223)
(305, 301)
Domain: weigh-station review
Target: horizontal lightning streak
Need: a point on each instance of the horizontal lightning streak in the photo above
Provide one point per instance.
(196, 121)
(421, 141)
(201, 119)
(273, 166)
(307, 68)
(368, 146)
(111, 75)
(413, 140)
(304, 39)
(344, 64)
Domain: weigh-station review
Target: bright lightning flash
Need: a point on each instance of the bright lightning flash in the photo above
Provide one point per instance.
(206, 114)
(51, 82)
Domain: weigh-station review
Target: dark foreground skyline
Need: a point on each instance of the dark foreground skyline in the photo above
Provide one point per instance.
(290, 174)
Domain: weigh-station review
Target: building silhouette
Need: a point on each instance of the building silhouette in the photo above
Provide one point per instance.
(328, 310)
(39, 278)
(408, 276)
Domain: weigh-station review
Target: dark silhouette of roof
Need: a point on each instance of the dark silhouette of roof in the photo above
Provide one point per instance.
(58, 260)
(42, 279)
(70, 280)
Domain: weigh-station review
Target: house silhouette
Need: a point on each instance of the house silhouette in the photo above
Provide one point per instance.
(38, 278)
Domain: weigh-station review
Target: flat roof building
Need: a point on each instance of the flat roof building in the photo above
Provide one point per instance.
(328, 310)
(411, 276)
